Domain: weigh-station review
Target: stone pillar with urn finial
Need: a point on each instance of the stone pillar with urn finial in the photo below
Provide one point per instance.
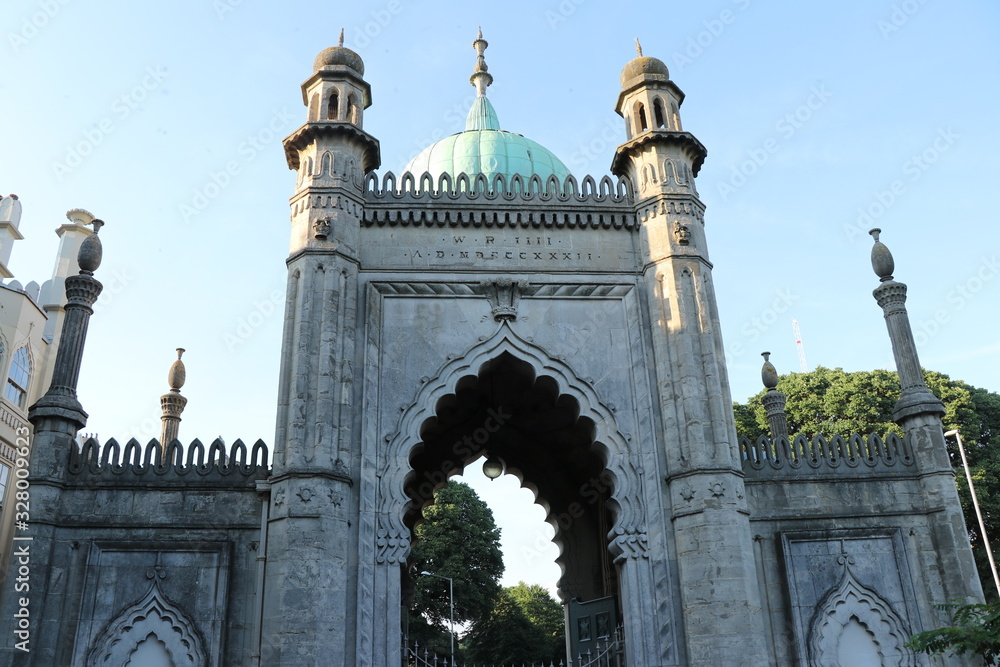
(56, 417)
(919, 413)
(773, 400)
(172, 403)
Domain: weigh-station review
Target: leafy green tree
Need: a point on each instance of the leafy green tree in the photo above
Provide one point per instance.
(976, 630)
(459, 539)
(832, 401)
(525, 627)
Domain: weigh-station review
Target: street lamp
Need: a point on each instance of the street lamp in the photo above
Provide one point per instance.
(975, 504)
(451, 608)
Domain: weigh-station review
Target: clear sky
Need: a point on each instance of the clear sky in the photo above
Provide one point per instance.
(821, 121)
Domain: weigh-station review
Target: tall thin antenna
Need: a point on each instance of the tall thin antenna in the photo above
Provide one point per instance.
(798, 344)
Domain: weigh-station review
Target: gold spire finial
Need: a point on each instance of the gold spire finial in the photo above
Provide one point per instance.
(638, 47)
(340, 42)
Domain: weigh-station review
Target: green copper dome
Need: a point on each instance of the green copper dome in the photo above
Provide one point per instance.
(486, 149)
(483, 148)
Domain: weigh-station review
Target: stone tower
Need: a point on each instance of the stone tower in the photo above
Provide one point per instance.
(704, 479)
(310, 523)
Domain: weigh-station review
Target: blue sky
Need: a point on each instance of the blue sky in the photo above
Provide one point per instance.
(821, 121)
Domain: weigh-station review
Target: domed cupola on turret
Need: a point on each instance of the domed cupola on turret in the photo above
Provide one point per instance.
(331, 152)
(650, 104)
(483, 148)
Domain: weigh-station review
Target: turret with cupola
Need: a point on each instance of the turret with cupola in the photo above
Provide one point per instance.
(331, 152)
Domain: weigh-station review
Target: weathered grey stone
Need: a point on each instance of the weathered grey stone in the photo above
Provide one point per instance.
(568, 327)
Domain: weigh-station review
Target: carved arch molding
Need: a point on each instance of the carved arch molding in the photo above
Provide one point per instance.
(155, 619)
(393, 537)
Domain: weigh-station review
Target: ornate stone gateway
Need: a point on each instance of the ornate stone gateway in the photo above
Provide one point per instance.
(489, 304)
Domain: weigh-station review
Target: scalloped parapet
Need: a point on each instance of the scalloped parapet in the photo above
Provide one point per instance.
(855, 455)
(473, 201)
(112, 461)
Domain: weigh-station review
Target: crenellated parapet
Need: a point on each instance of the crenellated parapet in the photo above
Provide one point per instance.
(112, 461)
(855, 455)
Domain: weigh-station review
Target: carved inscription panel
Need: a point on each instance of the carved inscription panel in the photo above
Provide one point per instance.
(499, 249)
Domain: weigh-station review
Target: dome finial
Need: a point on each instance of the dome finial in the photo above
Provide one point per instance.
(340, 41)
(638, 47)
(481, 77)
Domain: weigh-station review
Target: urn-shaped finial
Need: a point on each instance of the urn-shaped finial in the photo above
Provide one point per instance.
(91, 252)
(177, 374)
(882, 262)
(768, 373)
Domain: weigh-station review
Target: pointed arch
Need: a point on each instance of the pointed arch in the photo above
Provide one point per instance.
(675, 117)
(19, 377)
(628, 534)
(850, 604)
(333, 105)
(659, 117)
(152, 616)
(353, 109)
(641, 124)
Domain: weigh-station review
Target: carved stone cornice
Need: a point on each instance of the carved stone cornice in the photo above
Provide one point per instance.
(685, 140)
(308, 133)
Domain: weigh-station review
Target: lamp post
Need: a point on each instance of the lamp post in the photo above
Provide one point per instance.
(451, 609)
(975, 504)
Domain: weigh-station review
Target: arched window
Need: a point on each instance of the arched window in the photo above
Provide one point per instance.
(20, 375)
(314, 107)
(658, 113)
(675, 117)
(640, 112)
(334, 106)
(353, 111)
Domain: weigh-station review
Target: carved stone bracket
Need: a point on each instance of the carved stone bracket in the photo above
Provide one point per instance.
(504, 295)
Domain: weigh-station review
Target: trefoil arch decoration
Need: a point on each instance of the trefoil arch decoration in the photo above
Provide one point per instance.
(153, 615)
(851, 601)
(627, 537)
